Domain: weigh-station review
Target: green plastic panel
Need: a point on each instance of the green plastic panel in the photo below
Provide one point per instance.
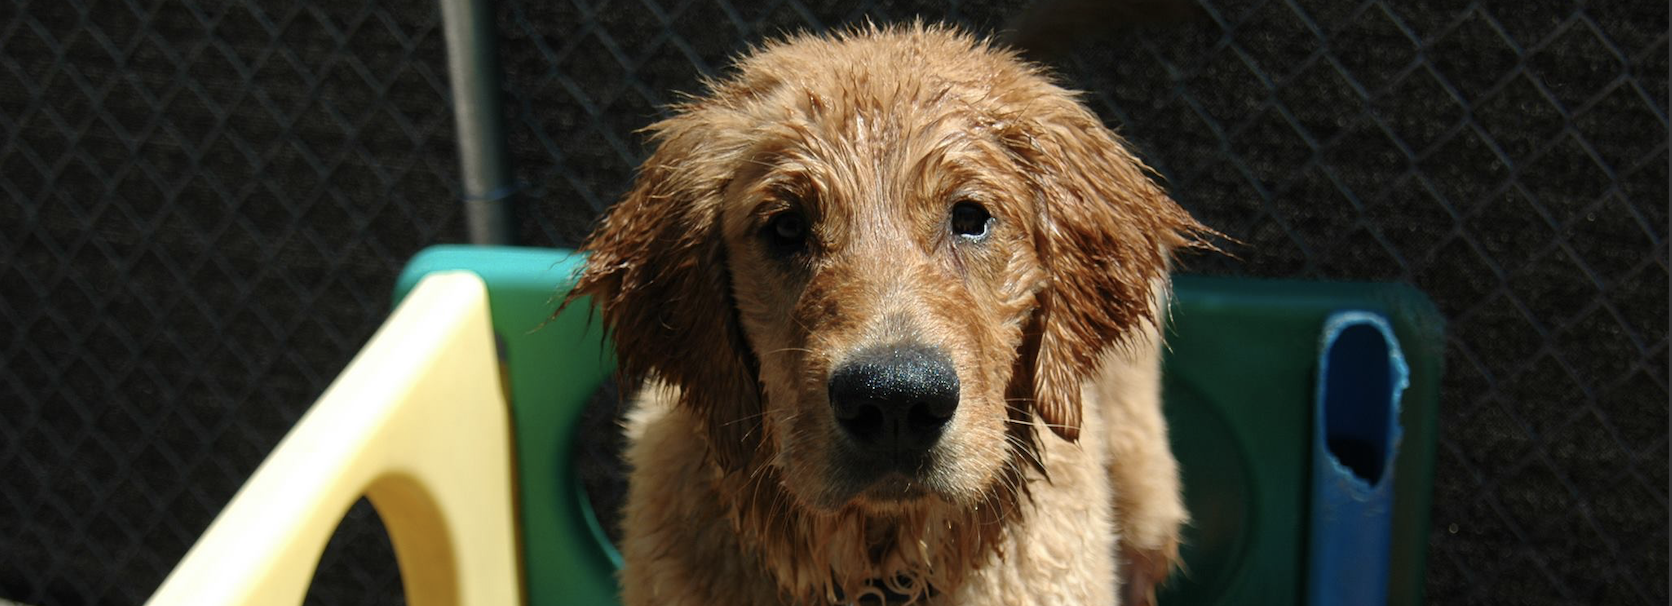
(1238, 387)
(1240, 373)
(551, 370)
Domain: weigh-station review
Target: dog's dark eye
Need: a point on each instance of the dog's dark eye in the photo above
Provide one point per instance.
(970, 220)
(786, 231)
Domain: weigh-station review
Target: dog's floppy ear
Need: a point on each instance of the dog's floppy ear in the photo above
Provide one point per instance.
(657, 271)
(1104, 235)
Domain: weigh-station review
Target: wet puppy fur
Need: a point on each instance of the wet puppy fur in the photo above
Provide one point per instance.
(881, 190)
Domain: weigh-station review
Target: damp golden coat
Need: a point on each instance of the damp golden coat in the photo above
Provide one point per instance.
(799, 211)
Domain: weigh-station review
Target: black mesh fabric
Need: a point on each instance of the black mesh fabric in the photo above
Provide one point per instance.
(203, 205)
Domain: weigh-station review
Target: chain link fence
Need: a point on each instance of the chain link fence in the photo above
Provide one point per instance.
(203, 206)
(205, 203)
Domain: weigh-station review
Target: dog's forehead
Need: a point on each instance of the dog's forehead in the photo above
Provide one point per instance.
(889, 166)
(881, 89)
(919, 131)
(876, 170)
(910, 66)
(873, 130)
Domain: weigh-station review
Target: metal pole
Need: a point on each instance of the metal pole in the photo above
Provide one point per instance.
(473, 72)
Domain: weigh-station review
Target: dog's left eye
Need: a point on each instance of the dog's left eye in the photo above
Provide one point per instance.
(787, 232)
(970, 220)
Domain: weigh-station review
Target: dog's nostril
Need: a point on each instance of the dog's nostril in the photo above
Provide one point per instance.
(895, 397)
(863, 420)
(923, 417)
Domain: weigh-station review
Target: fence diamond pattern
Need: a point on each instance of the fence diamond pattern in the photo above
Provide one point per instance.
(205, 203)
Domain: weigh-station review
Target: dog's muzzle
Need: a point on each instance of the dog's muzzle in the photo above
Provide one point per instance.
(894, 401)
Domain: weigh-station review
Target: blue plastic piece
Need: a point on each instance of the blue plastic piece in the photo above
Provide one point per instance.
(1356, 433)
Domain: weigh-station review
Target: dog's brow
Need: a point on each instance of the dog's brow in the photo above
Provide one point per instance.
(770, 206)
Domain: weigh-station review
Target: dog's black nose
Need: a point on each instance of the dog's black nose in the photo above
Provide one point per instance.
(895, 399)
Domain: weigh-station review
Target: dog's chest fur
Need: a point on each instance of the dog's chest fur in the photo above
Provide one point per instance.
(684, 546)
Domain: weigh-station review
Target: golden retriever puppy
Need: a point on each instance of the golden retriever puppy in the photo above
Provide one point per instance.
(893, 298)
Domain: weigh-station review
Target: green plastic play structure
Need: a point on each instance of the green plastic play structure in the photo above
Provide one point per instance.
(550, 369)
(1239, 382)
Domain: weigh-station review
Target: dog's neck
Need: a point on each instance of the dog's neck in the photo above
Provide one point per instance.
(849, 555)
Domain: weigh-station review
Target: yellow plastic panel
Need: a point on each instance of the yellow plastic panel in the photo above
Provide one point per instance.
(417, 423)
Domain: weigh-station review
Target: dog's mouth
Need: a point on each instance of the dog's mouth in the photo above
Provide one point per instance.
(895, 488)
(887, 480)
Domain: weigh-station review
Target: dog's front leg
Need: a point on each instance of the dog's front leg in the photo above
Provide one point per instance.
(1149, 509)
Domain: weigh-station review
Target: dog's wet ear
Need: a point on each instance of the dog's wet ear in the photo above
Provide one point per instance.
(657, 272)
(1104, 233)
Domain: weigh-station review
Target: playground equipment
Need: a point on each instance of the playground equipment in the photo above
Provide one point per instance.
(416, 424)
(456, 420)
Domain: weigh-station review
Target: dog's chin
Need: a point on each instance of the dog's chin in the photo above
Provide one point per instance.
(885, 489)
(894, 490)
(894, 493)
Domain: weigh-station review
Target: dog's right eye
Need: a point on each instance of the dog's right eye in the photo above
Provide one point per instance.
(970, 220)
(786, 232)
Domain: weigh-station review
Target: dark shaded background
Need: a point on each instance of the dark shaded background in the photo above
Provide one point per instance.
(203, 206)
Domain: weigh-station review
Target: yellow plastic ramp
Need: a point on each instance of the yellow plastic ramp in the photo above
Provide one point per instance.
(417, 423)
